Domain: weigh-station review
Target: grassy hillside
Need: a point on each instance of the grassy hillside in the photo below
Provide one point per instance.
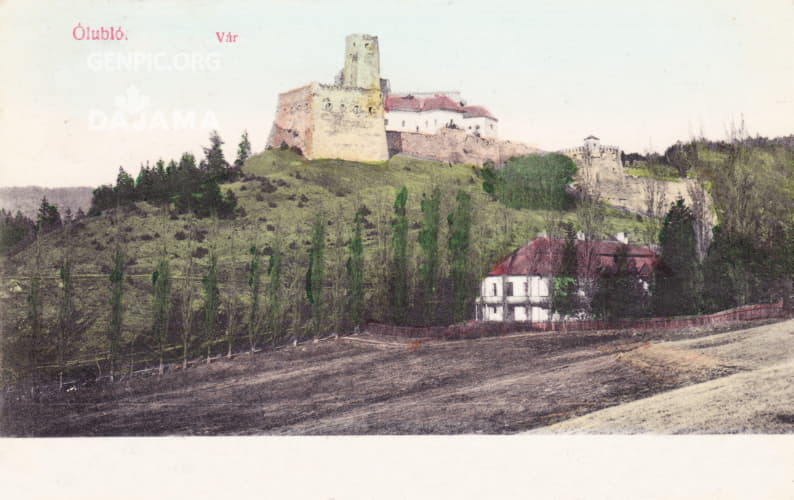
(279, 194)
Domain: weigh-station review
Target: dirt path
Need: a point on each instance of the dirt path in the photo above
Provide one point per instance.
(368, 385)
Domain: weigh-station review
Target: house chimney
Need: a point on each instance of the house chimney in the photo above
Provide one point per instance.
(580, 235)
(542, 234)
(621, 237)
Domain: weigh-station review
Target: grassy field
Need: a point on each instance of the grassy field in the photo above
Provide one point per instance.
(280, 194)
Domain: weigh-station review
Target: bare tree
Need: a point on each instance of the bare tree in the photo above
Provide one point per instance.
(655, 208)
(700, 210)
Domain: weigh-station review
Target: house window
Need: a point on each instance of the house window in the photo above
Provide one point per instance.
(491, 125)
(509, 288)
(526, 288)
(494, 289)
(417, 128)
(385, 121)
(403, 123)
(342, 108)
(371, 110)
(426, 124)
(356, 109)
(328, 106)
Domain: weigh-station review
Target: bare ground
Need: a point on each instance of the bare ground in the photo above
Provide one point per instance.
(368, 385)
(758, 399)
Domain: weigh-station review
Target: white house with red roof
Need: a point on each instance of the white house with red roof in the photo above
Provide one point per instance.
(427, 113)
(519, 288)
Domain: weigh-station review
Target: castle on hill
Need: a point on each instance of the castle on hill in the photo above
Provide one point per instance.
(359, 119)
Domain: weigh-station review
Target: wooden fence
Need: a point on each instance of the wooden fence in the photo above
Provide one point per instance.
(493, 328)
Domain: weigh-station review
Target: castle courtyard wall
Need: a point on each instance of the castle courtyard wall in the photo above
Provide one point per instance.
(455, 146)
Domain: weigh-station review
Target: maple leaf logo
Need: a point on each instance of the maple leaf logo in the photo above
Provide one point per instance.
(132, 102)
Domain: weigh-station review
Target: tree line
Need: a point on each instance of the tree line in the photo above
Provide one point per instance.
(190, 187)
(203, 311)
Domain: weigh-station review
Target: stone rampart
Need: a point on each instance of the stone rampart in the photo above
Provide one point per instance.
(455, 146)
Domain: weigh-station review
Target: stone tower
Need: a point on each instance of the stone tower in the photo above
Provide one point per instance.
(362, 62)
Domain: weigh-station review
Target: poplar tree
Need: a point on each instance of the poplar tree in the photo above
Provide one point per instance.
(161, 306)
(316, 272)
(211, 303)
(66, 312)
(428, 243)
(116, 307)
(459, 241)
(232, 303)
(35, 306)
(254, 287)
(355, 272)
(399, 281)
(274, 291)
(564, 294)
(186, 299)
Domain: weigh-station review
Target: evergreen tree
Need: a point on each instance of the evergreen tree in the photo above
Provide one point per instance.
(621, 293)
(315, 273)
(459, 243)
(355, 272)
(125, 188)
(211, 303)
(214, 162)
(679, 282)
(48, 217)
(428, 242)
(399, 276)
(243, 150)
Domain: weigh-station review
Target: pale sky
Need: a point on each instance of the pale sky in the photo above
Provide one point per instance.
(639, 75)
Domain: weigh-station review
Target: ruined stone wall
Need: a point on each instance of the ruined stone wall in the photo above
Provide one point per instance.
(455, 146)
(347, 123)
(292, 125)
(604, 169)
(327, 121)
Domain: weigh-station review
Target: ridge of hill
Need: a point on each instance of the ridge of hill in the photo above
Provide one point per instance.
(279, 195)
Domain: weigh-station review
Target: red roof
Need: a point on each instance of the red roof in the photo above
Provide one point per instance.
(543, 257)
(437, 102)
(402, 103)
(477, 112)
(441, 102)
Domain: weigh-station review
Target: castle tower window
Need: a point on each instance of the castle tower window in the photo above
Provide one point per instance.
(356, 109)
(385, 121)
(328, 106)
(371, 110)
(342, 108)
(417, 128)
(403, 123)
